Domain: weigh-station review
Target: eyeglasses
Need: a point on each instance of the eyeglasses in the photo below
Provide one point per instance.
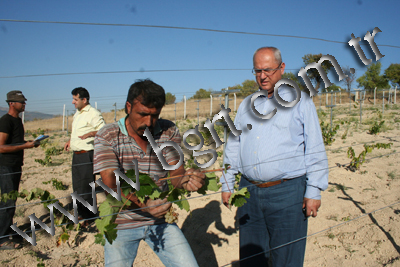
(268, 72)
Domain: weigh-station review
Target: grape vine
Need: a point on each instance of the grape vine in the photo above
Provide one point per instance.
(110, 208)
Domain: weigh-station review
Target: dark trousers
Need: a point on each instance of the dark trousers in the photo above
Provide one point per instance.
(82, 176)
(272, 217)
(9, 181)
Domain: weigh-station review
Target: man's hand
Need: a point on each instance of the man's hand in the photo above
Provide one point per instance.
(91, 134)
(67, 146)
(155, 208)
(31, 144)
(193, 180)
(225, 198)
(311, 206)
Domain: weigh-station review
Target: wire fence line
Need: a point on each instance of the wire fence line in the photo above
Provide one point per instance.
(266, 251)
(189, 198)
(316, 233)
(186, 109)
(182, 28)
(264, 162)
(267, 162)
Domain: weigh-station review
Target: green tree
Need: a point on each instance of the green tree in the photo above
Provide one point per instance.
(333, 88)
(247, 88)
(295, 78)
(169, 98)
(201, 93)
(313, 74)
(372, 78)
(393, 74)
(349, 79)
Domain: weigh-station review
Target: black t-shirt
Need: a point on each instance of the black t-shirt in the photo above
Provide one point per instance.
(15, 130)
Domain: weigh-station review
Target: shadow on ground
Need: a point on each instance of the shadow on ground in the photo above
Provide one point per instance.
(195, 229)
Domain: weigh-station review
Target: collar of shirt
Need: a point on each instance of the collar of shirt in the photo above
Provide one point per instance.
(86, 108)
(122, 127)
(259, 89)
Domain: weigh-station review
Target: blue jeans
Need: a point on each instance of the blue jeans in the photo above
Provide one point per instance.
(166, 240)
(273, 216)
(9, 181)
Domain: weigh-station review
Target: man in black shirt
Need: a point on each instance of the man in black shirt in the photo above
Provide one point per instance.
(12, 145)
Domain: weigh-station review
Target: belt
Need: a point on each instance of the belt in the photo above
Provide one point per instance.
(81, 152)
(268, 184)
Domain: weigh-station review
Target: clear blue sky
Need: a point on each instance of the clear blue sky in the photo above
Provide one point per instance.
(38, 48)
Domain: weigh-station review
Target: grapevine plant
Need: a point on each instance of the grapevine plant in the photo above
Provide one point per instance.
(110, 208)
(356, 162)
(46, 198)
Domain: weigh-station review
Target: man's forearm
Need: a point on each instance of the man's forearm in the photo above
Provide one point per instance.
(11, 148)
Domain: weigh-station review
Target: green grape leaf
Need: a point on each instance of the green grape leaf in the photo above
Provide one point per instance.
(45, 196)
(39, 191)
(212, 185)
(4, 197)
(238, 198)
(126, 188)
(64, 237)
(211, 175)
(226, 167)
(145, 179)
(203, 189)
(24, 193)
(163, 194)
(30, 196)
(155, 194)
(13, 195)
(173, 195)
(183, 204)
(99, 239)
(144, 191)
(111, 232)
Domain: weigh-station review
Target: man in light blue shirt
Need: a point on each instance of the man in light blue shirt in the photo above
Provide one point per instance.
(283, 164)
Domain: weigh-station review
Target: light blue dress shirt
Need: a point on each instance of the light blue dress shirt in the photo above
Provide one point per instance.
(286, 146)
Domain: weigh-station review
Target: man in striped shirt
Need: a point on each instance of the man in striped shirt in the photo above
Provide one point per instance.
(116, 146)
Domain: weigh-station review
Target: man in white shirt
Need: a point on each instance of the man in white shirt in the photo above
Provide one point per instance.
(87, 121)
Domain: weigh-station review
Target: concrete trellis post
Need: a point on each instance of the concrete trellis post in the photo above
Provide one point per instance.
(211, 100)
(184, 107)
(115, 111)
(234, 102)
(331, 106)
(226, 93)
(175, 113)
(320, 101)
(198, 109)
(335, 98)
(63, 127)
(374, 95)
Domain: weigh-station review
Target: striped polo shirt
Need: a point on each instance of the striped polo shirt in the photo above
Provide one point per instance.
(115, 149)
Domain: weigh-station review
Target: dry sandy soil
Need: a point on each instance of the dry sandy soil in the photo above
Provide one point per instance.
(357, 225)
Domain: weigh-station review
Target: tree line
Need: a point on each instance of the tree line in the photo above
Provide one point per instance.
(369, 80)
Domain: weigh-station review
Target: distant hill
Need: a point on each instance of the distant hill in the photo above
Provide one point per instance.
(29, 115)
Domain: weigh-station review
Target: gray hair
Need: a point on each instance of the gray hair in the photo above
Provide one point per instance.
(276, 51)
